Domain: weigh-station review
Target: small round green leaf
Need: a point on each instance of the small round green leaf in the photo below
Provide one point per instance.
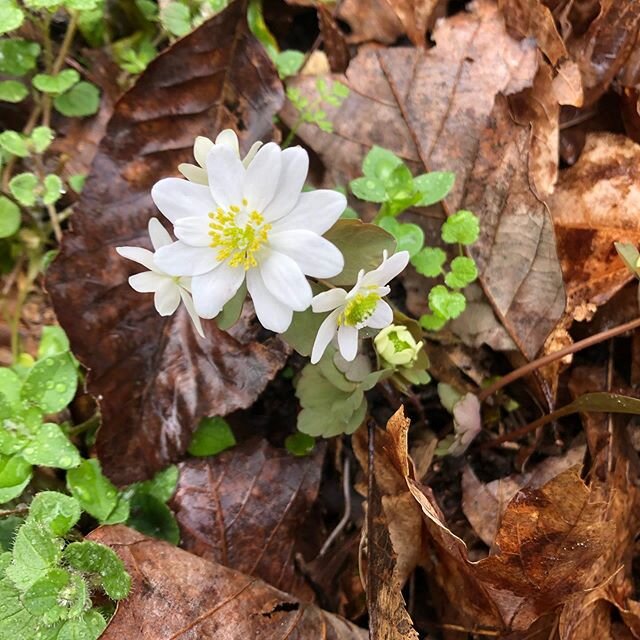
(463, 227)
(56, 511)
(429, 261)
(463, 272)
(9, 217)
(176, 19)
(433, 186)
(14, 470)
(13, 91)
(212, 436)
(18, 56)
(11, 16)
(432, 321)
(57, 83)
(23, 188)
(379, 163)
(409, 237)
(300, 444)
(41, 138)
(94, 491)
(151, 516)
(50, 447)
(81, 100)
(53, 189)
(448, 304)
(51, 383)
(288, 62)
(14, 143)
(52, 341)
(368, 189)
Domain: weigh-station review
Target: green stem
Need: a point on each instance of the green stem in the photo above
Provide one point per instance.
(23, 291)
(87, 425)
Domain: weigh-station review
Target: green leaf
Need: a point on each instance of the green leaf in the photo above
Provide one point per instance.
(368, 189)
(162, 485)
(463, 227)
(43, 596)
(630, 256)
(9, 493)
(362, 245)
(176, 19)
(300, 444)
(81, 5)
(463, 272)
(88, 627)
(13, 91)
(57, 83)
(55, 511)
(51, 383)
(35, 551)
(43, 4)
(13, 470)
(445, 303)
(23, 188)
(399, 185)
(9, 217)
(429, 261)
(94, 491)
(17, 56)
(212, 436)
(432, 321)
(9, 526)
(15, 144)
(433, 186)
(81, 100)
(379, 163)
(41, 138)
(10, 385)
(11, 16)
(288, 62)
(76, 182)
(151, 516)
(409, 237)
(93, 558)
(52, 189)
(231, 311)
(50, 447)
(52, 341)
(303, 330)
(259, 28)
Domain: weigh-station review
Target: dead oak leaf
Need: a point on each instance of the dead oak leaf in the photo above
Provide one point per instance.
(154, 376)
(179, 596)
(245, 509)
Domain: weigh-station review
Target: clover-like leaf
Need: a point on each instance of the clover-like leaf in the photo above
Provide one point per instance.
(9, 217)
(463, 272)
(56, 511)
(13, 91)
(89, 626)
(369, 189)
(52, 189)
(300, 444)
(448, 304)
(41, 138)
(379, 163)
(55, 84)
(14, 143)
(17, 56)
(11, 16)
(176, 18)
(429, 261)
(432, 321)
(433, 186)
(288, 62)
(50, 447)
(83, 99)
(24, 187)
(409, 237)
(463, 227)
(13, 470)
(51, 383)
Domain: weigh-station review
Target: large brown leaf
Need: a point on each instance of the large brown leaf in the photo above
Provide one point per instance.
(178, 596)
(439, 109)
(154, 376)
(595, 204)
(246, 508)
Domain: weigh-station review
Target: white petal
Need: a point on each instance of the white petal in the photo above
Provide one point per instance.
(285, 281)
(226, 176)
(147, 281)
(167, 297)
(229, 139)
(295, 165)
(251, 154)
(179, 259)
(193, 231)
(201, 148)
(159, 235)
(328, 300)
(388, 270)
(326, 332)
(314, 255)
(272, 314)
(262, 177)
(348, 342)
(315, 211)
(381, 317)
(191, 310)
(211, 291)
(193, 173)
(177, 198)
(139, 255)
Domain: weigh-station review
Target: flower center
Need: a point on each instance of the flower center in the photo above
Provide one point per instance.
(238, 234)
(359, 309)
(398, 343)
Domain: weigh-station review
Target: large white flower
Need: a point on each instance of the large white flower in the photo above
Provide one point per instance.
(168, 289)
(201, 148)
(251, 222)
(361, 307)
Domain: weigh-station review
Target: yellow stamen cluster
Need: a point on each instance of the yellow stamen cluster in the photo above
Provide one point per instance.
(236, 242)
(359, 309)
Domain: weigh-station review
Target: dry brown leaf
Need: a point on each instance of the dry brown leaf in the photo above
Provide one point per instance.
(439, 108)
(179, 596)
(333, 40)
(596, 203)
(484, 504)
(245, 509)
(567, 84)
(153, 375)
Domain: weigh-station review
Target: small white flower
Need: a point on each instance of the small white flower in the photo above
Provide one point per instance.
(251, 222)
(168, 289)
(201, 148)
(361, 307)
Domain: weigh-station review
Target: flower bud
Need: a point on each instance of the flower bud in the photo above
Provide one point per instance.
(396, 346)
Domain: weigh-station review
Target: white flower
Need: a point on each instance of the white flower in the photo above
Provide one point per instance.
(168, 290)
(361, 307)
(201, 148)
(251, 222)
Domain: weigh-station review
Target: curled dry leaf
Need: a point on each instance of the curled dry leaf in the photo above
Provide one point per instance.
(179, 596)
(154, 376)
(245, 509)
(440, 110)
(595, 204)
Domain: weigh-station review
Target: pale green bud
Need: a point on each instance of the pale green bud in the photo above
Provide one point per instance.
(397, 346)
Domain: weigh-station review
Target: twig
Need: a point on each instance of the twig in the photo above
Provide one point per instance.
(346, 489)
(4, 513)
(556, 355)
